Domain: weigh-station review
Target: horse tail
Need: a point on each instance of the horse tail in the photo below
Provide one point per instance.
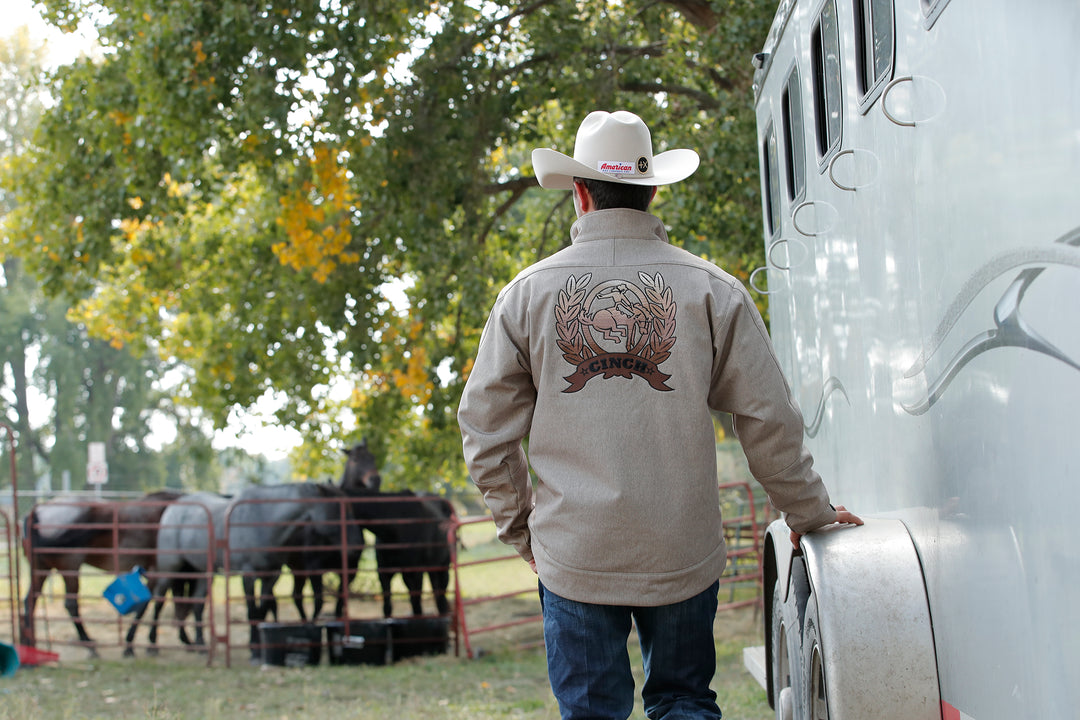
(30, 535)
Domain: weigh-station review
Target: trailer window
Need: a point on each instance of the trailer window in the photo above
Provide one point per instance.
(874, 40)
(771, 180)
(825, 50)
(793, 136)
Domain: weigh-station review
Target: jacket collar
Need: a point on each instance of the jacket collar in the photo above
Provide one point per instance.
(619, 224)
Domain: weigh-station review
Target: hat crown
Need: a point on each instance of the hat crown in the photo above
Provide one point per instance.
(617, 144)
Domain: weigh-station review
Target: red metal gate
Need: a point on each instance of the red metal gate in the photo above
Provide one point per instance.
(112, 542)
(226, 622)
(742, 576)
(8, 605)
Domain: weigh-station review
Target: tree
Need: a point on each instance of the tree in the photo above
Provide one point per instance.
(237, 182)
(84, 388)
(20, 107)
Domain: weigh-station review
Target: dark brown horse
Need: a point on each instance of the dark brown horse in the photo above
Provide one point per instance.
(410, 531)
(65, 534)
(361, 470)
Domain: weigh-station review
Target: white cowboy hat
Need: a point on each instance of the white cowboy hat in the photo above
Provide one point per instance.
(616, 147)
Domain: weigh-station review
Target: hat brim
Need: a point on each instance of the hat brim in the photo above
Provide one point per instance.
(556, 171)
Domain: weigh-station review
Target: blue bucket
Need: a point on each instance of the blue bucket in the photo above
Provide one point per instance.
(128, 591)
(9, 660)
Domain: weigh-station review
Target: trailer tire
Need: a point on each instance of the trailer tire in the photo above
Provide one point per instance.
(815, 697)
(782, 636)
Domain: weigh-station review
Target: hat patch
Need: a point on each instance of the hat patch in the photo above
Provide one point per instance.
(615, 167)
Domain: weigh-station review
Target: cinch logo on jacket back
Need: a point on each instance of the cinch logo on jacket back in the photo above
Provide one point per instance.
(616, 328)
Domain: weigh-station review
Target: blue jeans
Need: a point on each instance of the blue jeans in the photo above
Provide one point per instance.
(589, 667)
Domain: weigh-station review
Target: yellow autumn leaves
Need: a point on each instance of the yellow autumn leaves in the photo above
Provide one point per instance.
(317, 218)
(408, 370)
(141, 297)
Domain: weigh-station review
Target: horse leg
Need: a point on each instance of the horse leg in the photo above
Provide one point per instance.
(194, 594)
(129, 651)
(339, 603)
(71, 603)
(299, 579)
(161, 587)
(26, 629)
(252, 614)
(385, 576)
(343, 594)
(440, 580)
(414, 581)
(182, 605)
(346, 589)
(158, 605)
(199, 592)
(316, 581)
(267, 599)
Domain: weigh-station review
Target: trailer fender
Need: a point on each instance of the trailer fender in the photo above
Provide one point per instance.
(778, 555)
(866, 646)
(781, 616)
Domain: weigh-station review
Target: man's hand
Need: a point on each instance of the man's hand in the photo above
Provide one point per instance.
(842, 517)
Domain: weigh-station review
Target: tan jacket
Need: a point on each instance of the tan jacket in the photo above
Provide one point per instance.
(608, 357)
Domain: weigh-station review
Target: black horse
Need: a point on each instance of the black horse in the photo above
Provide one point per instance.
(410, 531)
(311, 563)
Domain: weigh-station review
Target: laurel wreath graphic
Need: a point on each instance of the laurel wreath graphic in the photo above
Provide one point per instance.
(660, 307)
(568, 320)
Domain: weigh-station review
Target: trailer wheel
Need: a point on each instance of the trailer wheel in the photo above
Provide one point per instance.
(856, 621)
(784, 637)
(813, 665)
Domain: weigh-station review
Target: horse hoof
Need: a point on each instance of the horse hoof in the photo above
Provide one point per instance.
(128, 652)
(151, 652)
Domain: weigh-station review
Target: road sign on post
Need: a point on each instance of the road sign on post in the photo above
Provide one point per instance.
(97, 470)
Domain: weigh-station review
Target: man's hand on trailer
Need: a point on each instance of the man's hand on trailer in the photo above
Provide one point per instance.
(842, 517)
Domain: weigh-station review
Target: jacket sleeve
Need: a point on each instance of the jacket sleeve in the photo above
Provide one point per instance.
(748, 383)
(495, 415)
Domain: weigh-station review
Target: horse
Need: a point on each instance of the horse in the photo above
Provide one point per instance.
(409, 529)
(115, 536)
(361, 470)
(266, 527)
(310, 564)
(187, 532)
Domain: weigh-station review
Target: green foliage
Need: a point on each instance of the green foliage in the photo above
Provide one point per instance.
(236, 185)
(60, 387)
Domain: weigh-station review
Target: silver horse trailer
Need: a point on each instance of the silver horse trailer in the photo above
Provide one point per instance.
(920, 164)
